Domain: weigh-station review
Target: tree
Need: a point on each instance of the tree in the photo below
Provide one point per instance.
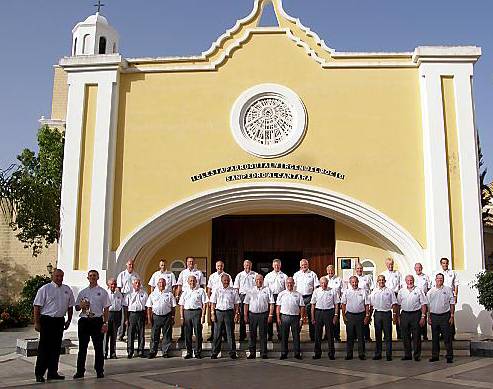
(30, 191)
(486, 191)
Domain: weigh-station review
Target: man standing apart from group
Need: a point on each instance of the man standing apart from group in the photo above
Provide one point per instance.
(276, 282)
(52, 302)
(393, 280)
(124, 285)
(422, 281)
(94, 302)
(244, 282)
(258, 311)
(305, 282)
(335, 282)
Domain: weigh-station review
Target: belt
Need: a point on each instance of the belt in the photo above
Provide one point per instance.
(376, 310)
(324, 310)
(224, 310)
(194, 309)
(257, 313)
(307, 295)
(418, 310)
(440, 314)
(53, 317)
(90, 318)
(166, 314)
(356, 313)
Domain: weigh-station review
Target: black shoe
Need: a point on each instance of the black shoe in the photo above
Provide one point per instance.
(369, 340)
(180, 339)
(312, 339)
(265, 356)
(252, 356)
(348, 357)
(233, 356)
(151, 356)
(425, 338)
(120, 338)
(188, 356)
(105, 356)
(433, 359)
(100, 375)
(269, 338)
(338, 340)
(141, 355)
(417, 359)
(404, 358)
(450, 360)
(198, 356)
(332, 357)
(377, 357)
(166, 355)
(56, 377)
(78, 375)
(242, 338)
(130, 355)
(210, 338)
(40, 378)
(283, 356)
(114, 356)
(362, 357)
(389, 358)
(317, 356)
(298, 356)
(214, 356)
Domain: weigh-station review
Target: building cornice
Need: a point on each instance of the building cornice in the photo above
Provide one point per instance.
(85, 63)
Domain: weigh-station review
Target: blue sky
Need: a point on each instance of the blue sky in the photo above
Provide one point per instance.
(34, 34)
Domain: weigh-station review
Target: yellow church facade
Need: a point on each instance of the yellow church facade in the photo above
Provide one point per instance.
(268, 145)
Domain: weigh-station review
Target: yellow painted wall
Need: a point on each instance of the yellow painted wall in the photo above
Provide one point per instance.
(85, 177)
(453, 170)
(60, 94)
(365, 123)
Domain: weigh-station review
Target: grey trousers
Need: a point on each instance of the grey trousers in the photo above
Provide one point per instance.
(410, 330)
(192, 324)
(290, 322)
(383, 323)
(114, 321)
(224, 318)
(308, 308)
(258, 321)
(355, 325)
(324, 319)
(161, 323)
(136, 326)
(440, 324)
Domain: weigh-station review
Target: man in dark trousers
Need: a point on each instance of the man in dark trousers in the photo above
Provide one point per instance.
(114, 319)
(93, 302)
(53, 301)
(134, 307)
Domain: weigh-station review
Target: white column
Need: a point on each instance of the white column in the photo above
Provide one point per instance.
(435, 166)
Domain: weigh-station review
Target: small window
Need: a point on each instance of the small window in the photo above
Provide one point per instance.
(369, 267)
(102, 45)
(176, 267)
(86, 43)
(75, 47)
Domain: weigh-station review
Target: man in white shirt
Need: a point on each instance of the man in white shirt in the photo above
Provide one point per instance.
(163, 272)
(383, 304)
(325, 313)
(393, 280)
(93, 302)
(412, 317)
(135, 317)
(290, 312)
(214, 282)
(335, 282)
(124, 285)
(258, 311)
(193, 307)
(305, 282)
(422, 281)
(161, 315)
(365, 282)
(52, 302)
(355, 306)
(114, 319)
(244, 281)
(225, 311)
(441, 304)
(276, 282)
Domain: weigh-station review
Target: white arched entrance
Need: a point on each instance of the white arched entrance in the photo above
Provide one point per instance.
(144, 241)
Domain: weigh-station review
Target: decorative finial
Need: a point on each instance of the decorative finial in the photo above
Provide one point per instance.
(99, 5)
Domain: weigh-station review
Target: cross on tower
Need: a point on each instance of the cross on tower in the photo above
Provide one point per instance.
(99, 5)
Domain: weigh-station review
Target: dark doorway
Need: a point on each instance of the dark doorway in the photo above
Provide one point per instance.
(262, 260)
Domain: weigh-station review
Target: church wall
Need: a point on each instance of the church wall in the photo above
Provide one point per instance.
(60, 94)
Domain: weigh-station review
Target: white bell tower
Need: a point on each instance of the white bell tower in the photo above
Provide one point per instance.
(94, 36)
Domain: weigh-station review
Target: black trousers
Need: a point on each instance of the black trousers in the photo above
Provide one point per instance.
(243, 333)
(355, 325)
(90, 329)
(290, 322)
(50, 342)
(258, 321)
(114, 321)
(270, 327)
(193, 323)
(308, 308)
(224, 318)
(136, 326)
(161, 323)
(383, 323)
(411, 332)
(440, 325)
(324, 319)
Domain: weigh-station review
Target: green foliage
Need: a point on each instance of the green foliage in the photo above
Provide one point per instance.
(30, 191)
(484, 285)
(32, 285)
(486, 192)
(13, 316)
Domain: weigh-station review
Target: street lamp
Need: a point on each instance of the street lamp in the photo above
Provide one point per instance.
(49, 267)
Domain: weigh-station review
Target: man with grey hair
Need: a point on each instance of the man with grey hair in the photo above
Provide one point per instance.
(244, 282)
(365, 282)
(276, 282)
(335, 282)
(124, 285)
(213, 283)
(135, 309)
(114, 318)
(393, 281)
(305, 282)
(422, 281)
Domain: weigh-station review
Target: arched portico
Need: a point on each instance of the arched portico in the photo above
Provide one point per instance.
(180, 217)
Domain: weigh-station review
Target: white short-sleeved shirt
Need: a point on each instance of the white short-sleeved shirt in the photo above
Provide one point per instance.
(259, 299)
(136, 300)
(440, 300)
(193, 299)
(183, 278)
(54, 300)
(305, 282)
(245, 281)
(161, 303)
(98, 300)
(411, 300)
(290, 302)
(225, 298)
(116, 300)
(275, 281)
(168, 276)
(365, 281)
(355, 300)
(422, 282)
(393, 280)
(125, 279)
(214, 280)
(382, 299)
(335, 283)
(325, 299)
(450, 279)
